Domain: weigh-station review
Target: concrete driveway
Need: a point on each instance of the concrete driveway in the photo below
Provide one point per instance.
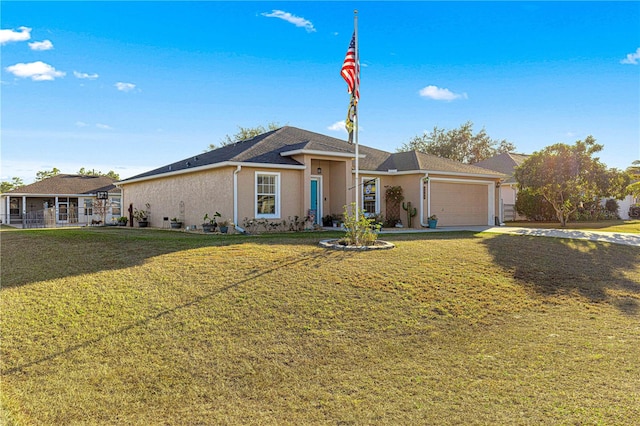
(608, 237)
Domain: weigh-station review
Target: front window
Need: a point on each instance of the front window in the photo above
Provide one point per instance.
(267, 195)
(88, 207)
(370, 198)
(115, 206)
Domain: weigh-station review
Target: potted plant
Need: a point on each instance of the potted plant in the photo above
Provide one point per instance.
(176, 223)
(224, 226)
(142, 216)
(122, 221)
(432, 221)
(209, 224)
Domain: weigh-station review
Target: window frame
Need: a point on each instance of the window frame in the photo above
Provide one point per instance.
(276, 195)
(377, 195)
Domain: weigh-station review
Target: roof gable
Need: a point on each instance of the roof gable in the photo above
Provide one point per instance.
(64, 184)
(505, 163)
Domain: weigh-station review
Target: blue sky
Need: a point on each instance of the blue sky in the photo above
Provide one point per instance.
(131, 86)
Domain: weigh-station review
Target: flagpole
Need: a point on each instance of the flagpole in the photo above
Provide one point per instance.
(355, 124)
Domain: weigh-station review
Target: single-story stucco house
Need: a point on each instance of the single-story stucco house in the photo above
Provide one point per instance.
(62, 199)
(506, 163)
(289, 172)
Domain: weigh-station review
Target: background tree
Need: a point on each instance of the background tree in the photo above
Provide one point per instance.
(244, 133)
(94, 172)
(44, 174)
(6, 186)
(568, 175)
(458, 144)
(634, 175)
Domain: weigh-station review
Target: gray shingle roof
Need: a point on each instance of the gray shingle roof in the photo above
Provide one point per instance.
(504, 163)
(64, 184)
(267, 147)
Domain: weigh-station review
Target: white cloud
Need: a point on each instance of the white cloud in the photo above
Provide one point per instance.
(84, 75)
(36, 71)
(292, 19)
(41, 45)
(438, 94)
(81, 124)
(7, 36)
(103, 126)
(125, 87)
(338, 126)
(632, 58)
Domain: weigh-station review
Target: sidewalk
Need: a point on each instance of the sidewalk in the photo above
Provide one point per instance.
(608, 237)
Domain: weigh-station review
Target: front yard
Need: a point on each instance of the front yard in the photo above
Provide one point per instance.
(130, 326)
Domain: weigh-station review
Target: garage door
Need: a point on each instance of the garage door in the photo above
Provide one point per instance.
(459, 203)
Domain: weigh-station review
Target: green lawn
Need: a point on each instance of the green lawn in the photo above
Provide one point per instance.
(631, 226)
(129, 326)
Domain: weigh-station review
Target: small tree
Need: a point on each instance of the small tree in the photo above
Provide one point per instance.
(44, 174)
(101, 208)
(94, 172)
(568, 175)
(634, 176)
(459, 144)
(245, 133)
(5, 186)
(361, 230)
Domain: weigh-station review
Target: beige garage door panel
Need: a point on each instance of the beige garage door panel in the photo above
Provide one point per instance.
(459, 204)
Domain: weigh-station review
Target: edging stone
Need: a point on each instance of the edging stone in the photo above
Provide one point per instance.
(333, 244)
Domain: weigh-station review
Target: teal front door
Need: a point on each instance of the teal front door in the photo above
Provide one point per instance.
(315, 195)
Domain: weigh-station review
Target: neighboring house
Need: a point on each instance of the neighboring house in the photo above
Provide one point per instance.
(506, 163)
(624, 205)
(62, 200)
(289, 171)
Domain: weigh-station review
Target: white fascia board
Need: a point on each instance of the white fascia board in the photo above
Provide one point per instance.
(427, 172)
(32, 195)
(387, 173)
(211, 167)
(322, 153)
(462, 174)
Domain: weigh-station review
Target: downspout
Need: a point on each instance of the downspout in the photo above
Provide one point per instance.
(235, 199)
(422, 193)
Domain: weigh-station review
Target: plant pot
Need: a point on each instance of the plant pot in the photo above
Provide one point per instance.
(432, 223)
(224, 229)
(143, 224)
(176, 225)
(208, 227)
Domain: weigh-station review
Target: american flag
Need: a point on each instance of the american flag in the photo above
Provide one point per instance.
(351, 70)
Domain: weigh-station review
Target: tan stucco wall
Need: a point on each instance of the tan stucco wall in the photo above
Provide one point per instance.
(202, 192)
(290, 193)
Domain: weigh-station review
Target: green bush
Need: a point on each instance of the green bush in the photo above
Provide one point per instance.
(534, 207)
(361, 231)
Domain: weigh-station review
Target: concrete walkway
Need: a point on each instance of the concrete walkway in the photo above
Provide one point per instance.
(608, 237)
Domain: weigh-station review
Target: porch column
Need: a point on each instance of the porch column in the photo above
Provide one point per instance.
(8, 210)
(352, 189)
(56, 210)
(306, 186)
(24, 211)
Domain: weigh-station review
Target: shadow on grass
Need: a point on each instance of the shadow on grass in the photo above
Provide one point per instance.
(320, 257)
(598, 272)
(30, 256)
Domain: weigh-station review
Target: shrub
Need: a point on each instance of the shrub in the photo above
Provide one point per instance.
(534, 207)
(361, 231)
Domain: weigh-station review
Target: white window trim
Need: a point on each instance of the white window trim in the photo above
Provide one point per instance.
(366, 179)
(258, 215)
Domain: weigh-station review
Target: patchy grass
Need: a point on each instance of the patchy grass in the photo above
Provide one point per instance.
(631, 226)
(128, 326)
